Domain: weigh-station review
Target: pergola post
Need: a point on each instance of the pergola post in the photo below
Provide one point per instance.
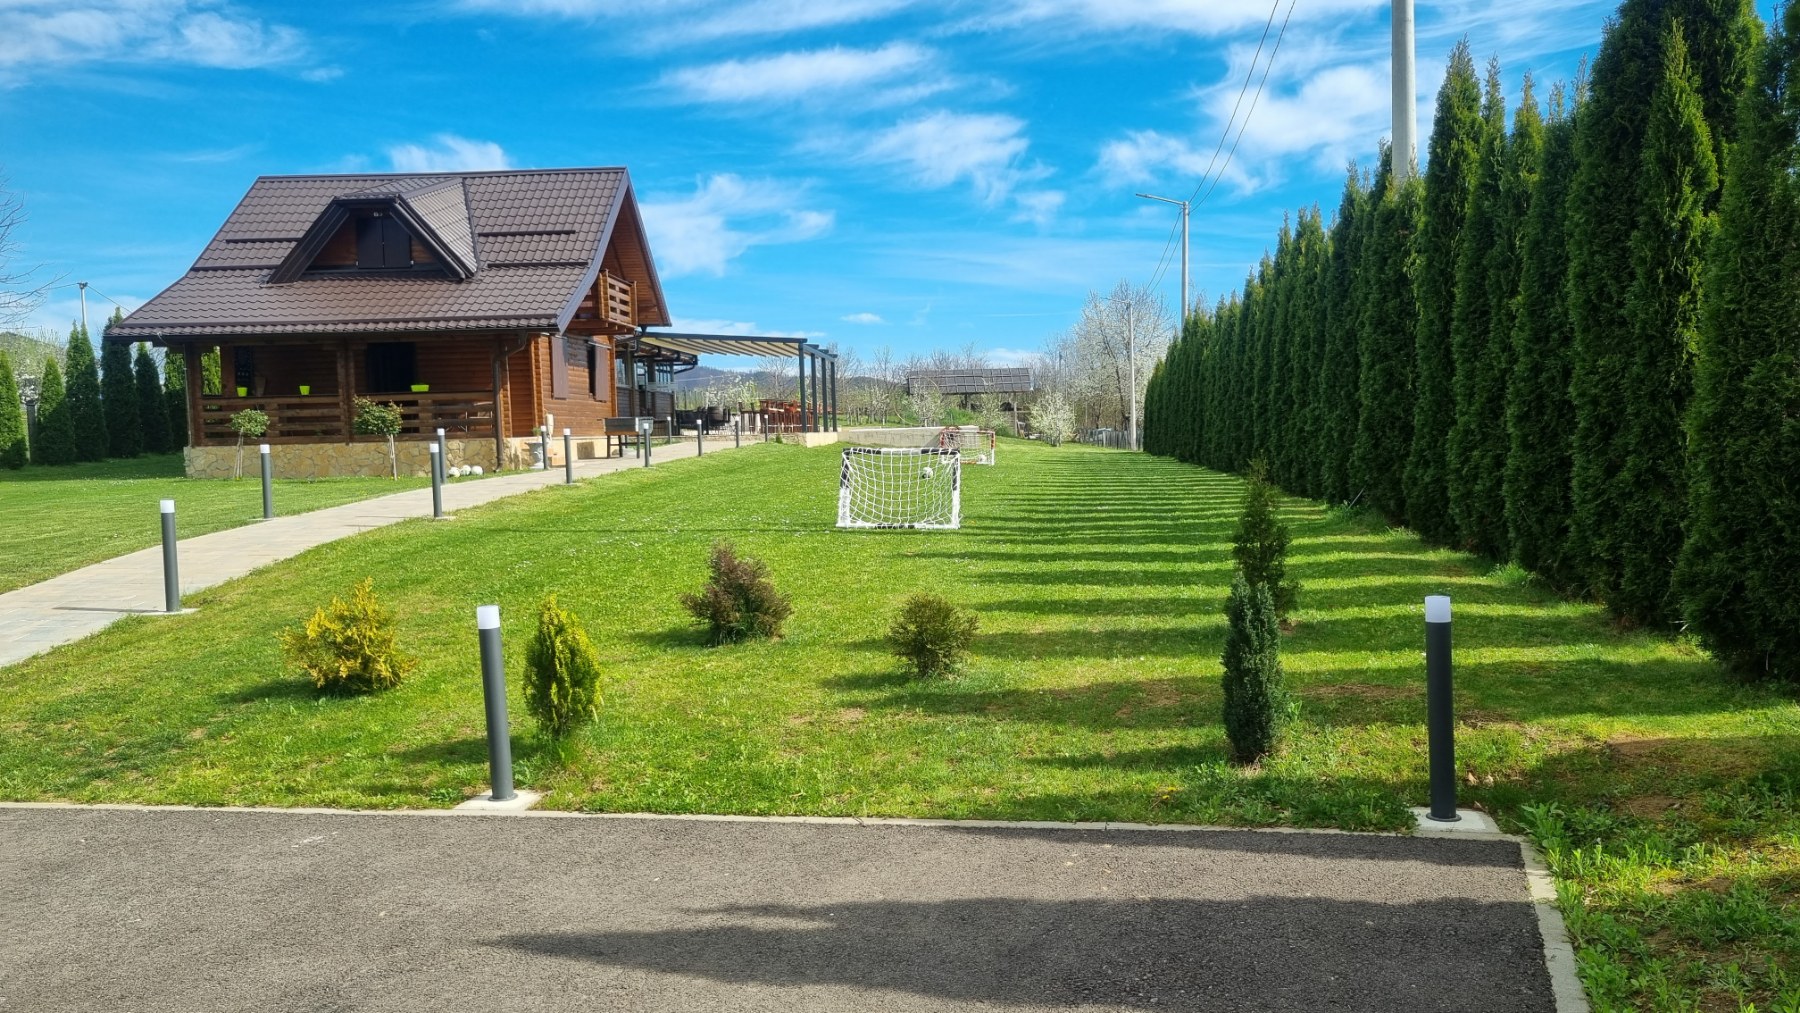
(803, 388)
(832, 379)
(196, 376)
(818, 421)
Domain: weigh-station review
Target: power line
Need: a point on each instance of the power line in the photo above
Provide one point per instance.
(1257, 98)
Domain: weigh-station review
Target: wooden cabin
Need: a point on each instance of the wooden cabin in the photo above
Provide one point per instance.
(481, 303)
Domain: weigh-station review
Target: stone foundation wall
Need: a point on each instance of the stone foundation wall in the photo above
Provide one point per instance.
(332, 460)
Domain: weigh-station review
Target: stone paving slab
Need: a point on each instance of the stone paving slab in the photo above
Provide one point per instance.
(153, 910)
(73, 605)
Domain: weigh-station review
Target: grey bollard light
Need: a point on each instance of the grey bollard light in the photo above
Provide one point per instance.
(437, 481)
(645, 427)
(171, 578)
(568, 458)
(672, 431)
(737, 432)
(544, 445)
(1439, 716)
(268, 477)
(443, 458)
(493, 692)
(699, 438)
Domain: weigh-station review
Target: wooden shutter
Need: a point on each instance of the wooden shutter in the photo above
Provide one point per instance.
(559, 366)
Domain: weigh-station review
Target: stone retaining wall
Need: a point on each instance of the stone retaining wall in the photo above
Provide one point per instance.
(331, 460)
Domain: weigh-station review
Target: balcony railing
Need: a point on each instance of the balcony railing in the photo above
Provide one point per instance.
(619, 301)
(321, 418)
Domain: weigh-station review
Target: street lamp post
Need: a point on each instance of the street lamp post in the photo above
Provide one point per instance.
(1185, 207)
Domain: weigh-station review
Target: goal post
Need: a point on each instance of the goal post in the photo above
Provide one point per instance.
(977, 445)
(900, 487)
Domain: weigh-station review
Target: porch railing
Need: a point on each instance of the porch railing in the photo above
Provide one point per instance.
(320, 418)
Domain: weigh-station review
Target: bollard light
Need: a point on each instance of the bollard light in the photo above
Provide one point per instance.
(699, 438)
(1439, 714)
(568, 459)
(268, 477)
(171, 578)
(437, 481)
(544, 445)
(493, 691)
(645, 427)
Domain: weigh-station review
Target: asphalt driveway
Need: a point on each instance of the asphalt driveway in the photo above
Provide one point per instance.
(122, 910)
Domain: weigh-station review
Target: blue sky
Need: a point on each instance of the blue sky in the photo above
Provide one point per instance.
(914, 174)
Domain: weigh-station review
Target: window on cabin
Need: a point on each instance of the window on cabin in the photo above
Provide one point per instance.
(382, 243)
(593, 352)
(391, 366)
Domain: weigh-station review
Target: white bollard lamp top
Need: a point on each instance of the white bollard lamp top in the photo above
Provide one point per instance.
(1437, 608)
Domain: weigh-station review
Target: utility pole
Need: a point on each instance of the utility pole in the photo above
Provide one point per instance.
(83, 286)
(1131, 365)
(1181, 318)
(1405, 90)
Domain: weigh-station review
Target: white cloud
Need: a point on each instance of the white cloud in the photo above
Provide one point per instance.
(669, 23)
(49, 33)
(1038, 206)
(863, 318)
(820, 74)
(724, 217)
(1014, 356)
(943, 148)
(685, 325)
(1210, 19)
(448, 153)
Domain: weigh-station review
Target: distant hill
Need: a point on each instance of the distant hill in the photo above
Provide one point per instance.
(28, 353)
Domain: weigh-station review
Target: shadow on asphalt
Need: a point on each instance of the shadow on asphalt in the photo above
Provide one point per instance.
(1258, 953)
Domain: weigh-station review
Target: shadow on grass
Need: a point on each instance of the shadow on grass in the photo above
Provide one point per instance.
(287, 687)
(1142, 703)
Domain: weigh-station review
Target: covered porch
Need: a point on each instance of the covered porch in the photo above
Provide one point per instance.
(814, 411)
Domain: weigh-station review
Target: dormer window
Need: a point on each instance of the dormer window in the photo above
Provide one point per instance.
(382, 243)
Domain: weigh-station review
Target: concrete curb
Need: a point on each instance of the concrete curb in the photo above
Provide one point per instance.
(1559, 952)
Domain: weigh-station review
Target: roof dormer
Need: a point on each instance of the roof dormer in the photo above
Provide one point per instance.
(414, 226)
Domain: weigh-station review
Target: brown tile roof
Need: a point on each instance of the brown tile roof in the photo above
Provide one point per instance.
(1002, 380)
(534, 239)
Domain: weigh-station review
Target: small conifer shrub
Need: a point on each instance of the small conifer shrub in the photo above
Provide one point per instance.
(1256, 707)
(739, 601)
(562, 673)
(932, 635)
(1260, 543)
(349, 646)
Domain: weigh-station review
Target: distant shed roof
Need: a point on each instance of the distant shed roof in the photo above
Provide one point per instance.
(532, 241)
(1008, 380)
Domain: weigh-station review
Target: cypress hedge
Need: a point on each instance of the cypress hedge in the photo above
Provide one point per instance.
(1386, 347)
(175, 399)
(1256, 706)
(1340, 367)
(83, 393)
(119, 401)
(1739, 575)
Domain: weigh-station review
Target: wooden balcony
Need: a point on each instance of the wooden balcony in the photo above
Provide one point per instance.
(325, 418)
(610, 307)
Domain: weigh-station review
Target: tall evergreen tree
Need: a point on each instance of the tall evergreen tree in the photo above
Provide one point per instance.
(1739, 572)
(153, 414)
(1471, 320)
(1306, 347)
(119, 400)
(1457, 137)
(1339, 368)
(56, 423)
(1386, 348)
(1677, 188)
(85, 411)
(1539, 414)
(13, 451)
(175, 398)
(1605, 211)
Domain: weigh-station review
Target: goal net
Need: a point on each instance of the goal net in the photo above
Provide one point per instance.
(894, 487)
(977, 445)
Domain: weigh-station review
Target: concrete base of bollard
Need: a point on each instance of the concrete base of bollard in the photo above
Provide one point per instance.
(1472, 822)
(485, 803)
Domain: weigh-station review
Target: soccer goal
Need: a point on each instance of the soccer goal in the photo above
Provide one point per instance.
(895, 487)
(977, 445)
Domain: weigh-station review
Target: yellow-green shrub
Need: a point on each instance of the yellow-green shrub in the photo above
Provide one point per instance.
(349, 647)
(562, 674)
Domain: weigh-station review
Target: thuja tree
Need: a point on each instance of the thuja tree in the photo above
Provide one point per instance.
(1259, 544)
(1678, 182)
(1305, 350)
(1457, 138)
(1472, 318)
(1339, 367)
(85, 412)
(1255, 705)
(153, 415)
(1262, 314)
(1737, 576)
(175, 399)
(1386, 349)
(1604, 212)
(1539, 414)
(56, 427)
(119, 401)
(12, 418)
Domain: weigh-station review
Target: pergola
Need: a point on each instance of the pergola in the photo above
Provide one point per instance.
(818, 410)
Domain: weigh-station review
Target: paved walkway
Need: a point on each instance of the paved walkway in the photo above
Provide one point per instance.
(65, 608)
(153, 910)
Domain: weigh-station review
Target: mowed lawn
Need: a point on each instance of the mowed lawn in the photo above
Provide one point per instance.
(61, 519)
(1663, 789)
